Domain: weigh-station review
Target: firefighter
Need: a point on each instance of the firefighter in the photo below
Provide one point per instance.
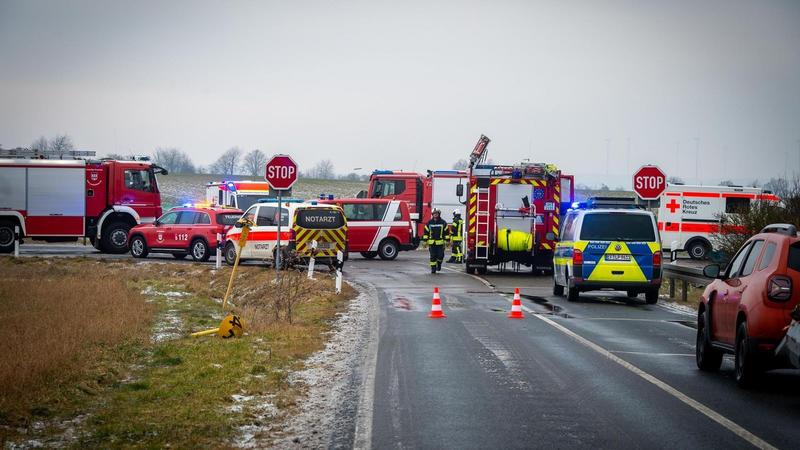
(436, 232)
(456, 237)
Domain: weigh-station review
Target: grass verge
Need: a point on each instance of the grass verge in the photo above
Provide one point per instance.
(139, 380)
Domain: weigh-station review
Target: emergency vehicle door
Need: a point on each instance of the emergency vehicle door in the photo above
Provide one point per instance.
(164, 230)
(248, 248)
(670, 219)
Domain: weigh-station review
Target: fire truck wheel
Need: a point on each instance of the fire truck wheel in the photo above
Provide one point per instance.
(179, 255)
(697, 249)
(388, 249)
(200, 251)
(115, 237)
(6, 237)
(230, 254)
(139, 247)
(369, 255)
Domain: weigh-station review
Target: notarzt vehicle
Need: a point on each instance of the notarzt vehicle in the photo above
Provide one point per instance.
(183, 231)
(608, 244)
(64, 199)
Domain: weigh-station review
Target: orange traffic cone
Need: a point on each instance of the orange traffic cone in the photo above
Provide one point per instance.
(436, 306)
(516, 307)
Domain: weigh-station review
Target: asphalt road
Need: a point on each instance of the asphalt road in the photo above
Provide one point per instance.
(601, 373)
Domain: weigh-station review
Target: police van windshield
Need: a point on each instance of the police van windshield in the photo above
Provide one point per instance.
(617, 227)
(326, 219)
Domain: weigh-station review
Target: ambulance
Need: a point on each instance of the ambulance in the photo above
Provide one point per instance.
(301, 224)
(689, 215)
(377, 227)
(237, 194)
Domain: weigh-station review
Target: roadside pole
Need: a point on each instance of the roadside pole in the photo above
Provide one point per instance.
(278, 248)
(312, 259)
(16, 241)
(218, 264)
(340, 260)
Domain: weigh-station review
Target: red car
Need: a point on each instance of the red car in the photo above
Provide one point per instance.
(747, 308)
(183, 231)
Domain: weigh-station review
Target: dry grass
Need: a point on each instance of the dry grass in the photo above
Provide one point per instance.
(56, 326)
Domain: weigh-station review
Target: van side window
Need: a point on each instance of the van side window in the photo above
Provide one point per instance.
(737, 205)
(266, 216)
(750, 264)
(398, 215)
(359, 211)
(379, 210)
(202, 219)
(769, 253)
(250, 214)
(186, 218)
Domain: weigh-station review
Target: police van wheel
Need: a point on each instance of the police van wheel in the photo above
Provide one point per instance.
(697, 249)
(230, 254)
(572, 294)
(482, 270)
(558, 289)
(388, 249)
(632, 294)
(470, 269)
(369, 255)
(651, 296)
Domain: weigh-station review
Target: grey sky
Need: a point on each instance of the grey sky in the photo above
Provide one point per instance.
(413, 84)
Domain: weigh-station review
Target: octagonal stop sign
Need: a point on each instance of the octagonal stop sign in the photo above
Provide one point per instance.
(281, 172)
(649, 182)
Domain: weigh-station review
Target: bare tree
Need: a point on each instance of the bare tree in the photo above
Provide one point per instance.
(323, 170)
(174, 160)
(254, 163)
(726, 183)
(41, 144)
(228, 162)
(61, 144)
(675, 180)
(461, 164)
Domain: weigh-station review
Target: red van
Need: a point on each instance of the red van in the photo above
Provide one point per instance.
(377, 227)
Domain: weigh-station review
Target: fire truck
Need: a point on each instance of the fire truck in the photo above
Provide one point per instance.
(59, 200)
(238, 194)
(513, 212)
(423, 192)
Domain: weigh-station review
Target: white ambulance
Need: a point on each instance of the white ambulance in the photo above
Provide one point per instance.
(237, 194)
(689, 215)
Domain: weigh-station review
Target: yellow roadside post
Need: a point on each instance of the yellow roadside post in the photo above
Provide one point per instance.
(231, 325)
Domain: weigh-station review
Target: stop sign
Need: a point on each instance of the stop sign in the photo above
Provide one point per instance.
(281, 172)
(649, 182)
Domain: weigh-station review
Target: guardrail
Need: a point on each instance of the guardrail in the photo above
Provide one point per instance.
(685, 275)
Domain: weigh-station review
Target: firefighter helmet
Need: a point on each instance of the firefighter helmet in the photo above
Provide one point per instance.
(435, 211)
(456, 212)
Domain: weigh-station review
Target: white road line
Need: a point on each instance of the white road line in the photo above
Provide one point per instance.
(694, 404)
(621, 352)
(362, 438)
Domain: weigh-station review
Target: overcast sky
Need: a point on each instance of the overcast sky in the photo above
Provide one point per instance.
(413, 84)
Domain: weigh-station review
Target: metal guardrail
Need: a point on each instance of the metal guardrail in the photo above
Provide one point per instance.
(685, 275)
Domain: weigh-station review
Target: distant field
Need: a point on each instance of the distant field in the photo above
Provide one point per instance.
(180, 189)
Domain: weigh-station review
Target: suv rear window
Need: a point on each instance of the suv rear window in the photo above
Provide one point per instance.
(617, 227)
(794, 257)
(325, 219)
(227, 218)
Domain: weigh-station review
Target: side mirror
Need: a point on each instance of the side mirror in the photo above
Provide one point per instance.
(459, 190)
(156, 223)
(238, 224)
(711, 271)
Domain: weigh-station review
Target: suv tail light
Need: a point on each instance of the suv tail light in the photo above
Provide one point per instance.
(779, 288)
(577, 257)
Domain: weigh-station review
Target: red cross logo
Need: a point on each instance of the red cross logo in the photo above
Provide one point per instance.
(673, 205)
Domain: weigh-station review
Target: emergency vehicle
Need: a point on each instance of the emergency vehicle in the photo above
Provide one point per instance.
(238, 194)
(186, 230)
(423, 193)
(64, 199)
(608, 243)
(301, 223)
(377, 227)
(513, 212)
(689, 215)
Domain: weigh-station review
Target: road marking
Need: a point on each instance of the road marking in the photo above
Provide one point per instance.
(651, 354)
(699, 407)
(362, 438)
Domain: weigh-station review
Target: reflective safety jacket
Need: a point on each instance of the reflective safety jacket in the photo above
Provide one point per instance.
(457, 230)
(436, 232)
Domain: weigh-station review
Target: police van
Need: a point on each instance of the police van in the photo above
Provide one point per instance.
(608, 244)
(302, 224)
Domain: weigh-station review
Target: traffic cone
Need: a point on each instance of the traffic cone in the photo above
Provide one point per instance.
(436, 306)
(516, 307)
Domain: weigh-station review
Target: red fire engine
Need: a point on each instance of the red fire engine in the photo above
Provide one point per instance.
(436, 189)
(63, 199)
(513, 212)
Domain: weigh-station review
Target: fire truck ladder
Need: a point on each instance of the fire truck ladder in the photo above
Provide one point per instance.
(482, 224)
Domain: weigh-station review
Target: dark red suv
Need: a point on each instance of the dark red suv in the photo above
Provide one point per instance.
(183, 231)
(746, 309)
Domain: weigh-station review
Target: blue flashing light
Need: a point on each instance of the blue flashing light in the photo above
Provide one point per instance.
(322, 196)
(231, 186)
(187, 205)
(516, 174)
(330, 196)
(575, 205)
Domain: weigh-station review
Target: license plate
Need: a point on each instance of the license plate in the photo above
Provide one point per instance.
(618, 257)
(324, 245)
